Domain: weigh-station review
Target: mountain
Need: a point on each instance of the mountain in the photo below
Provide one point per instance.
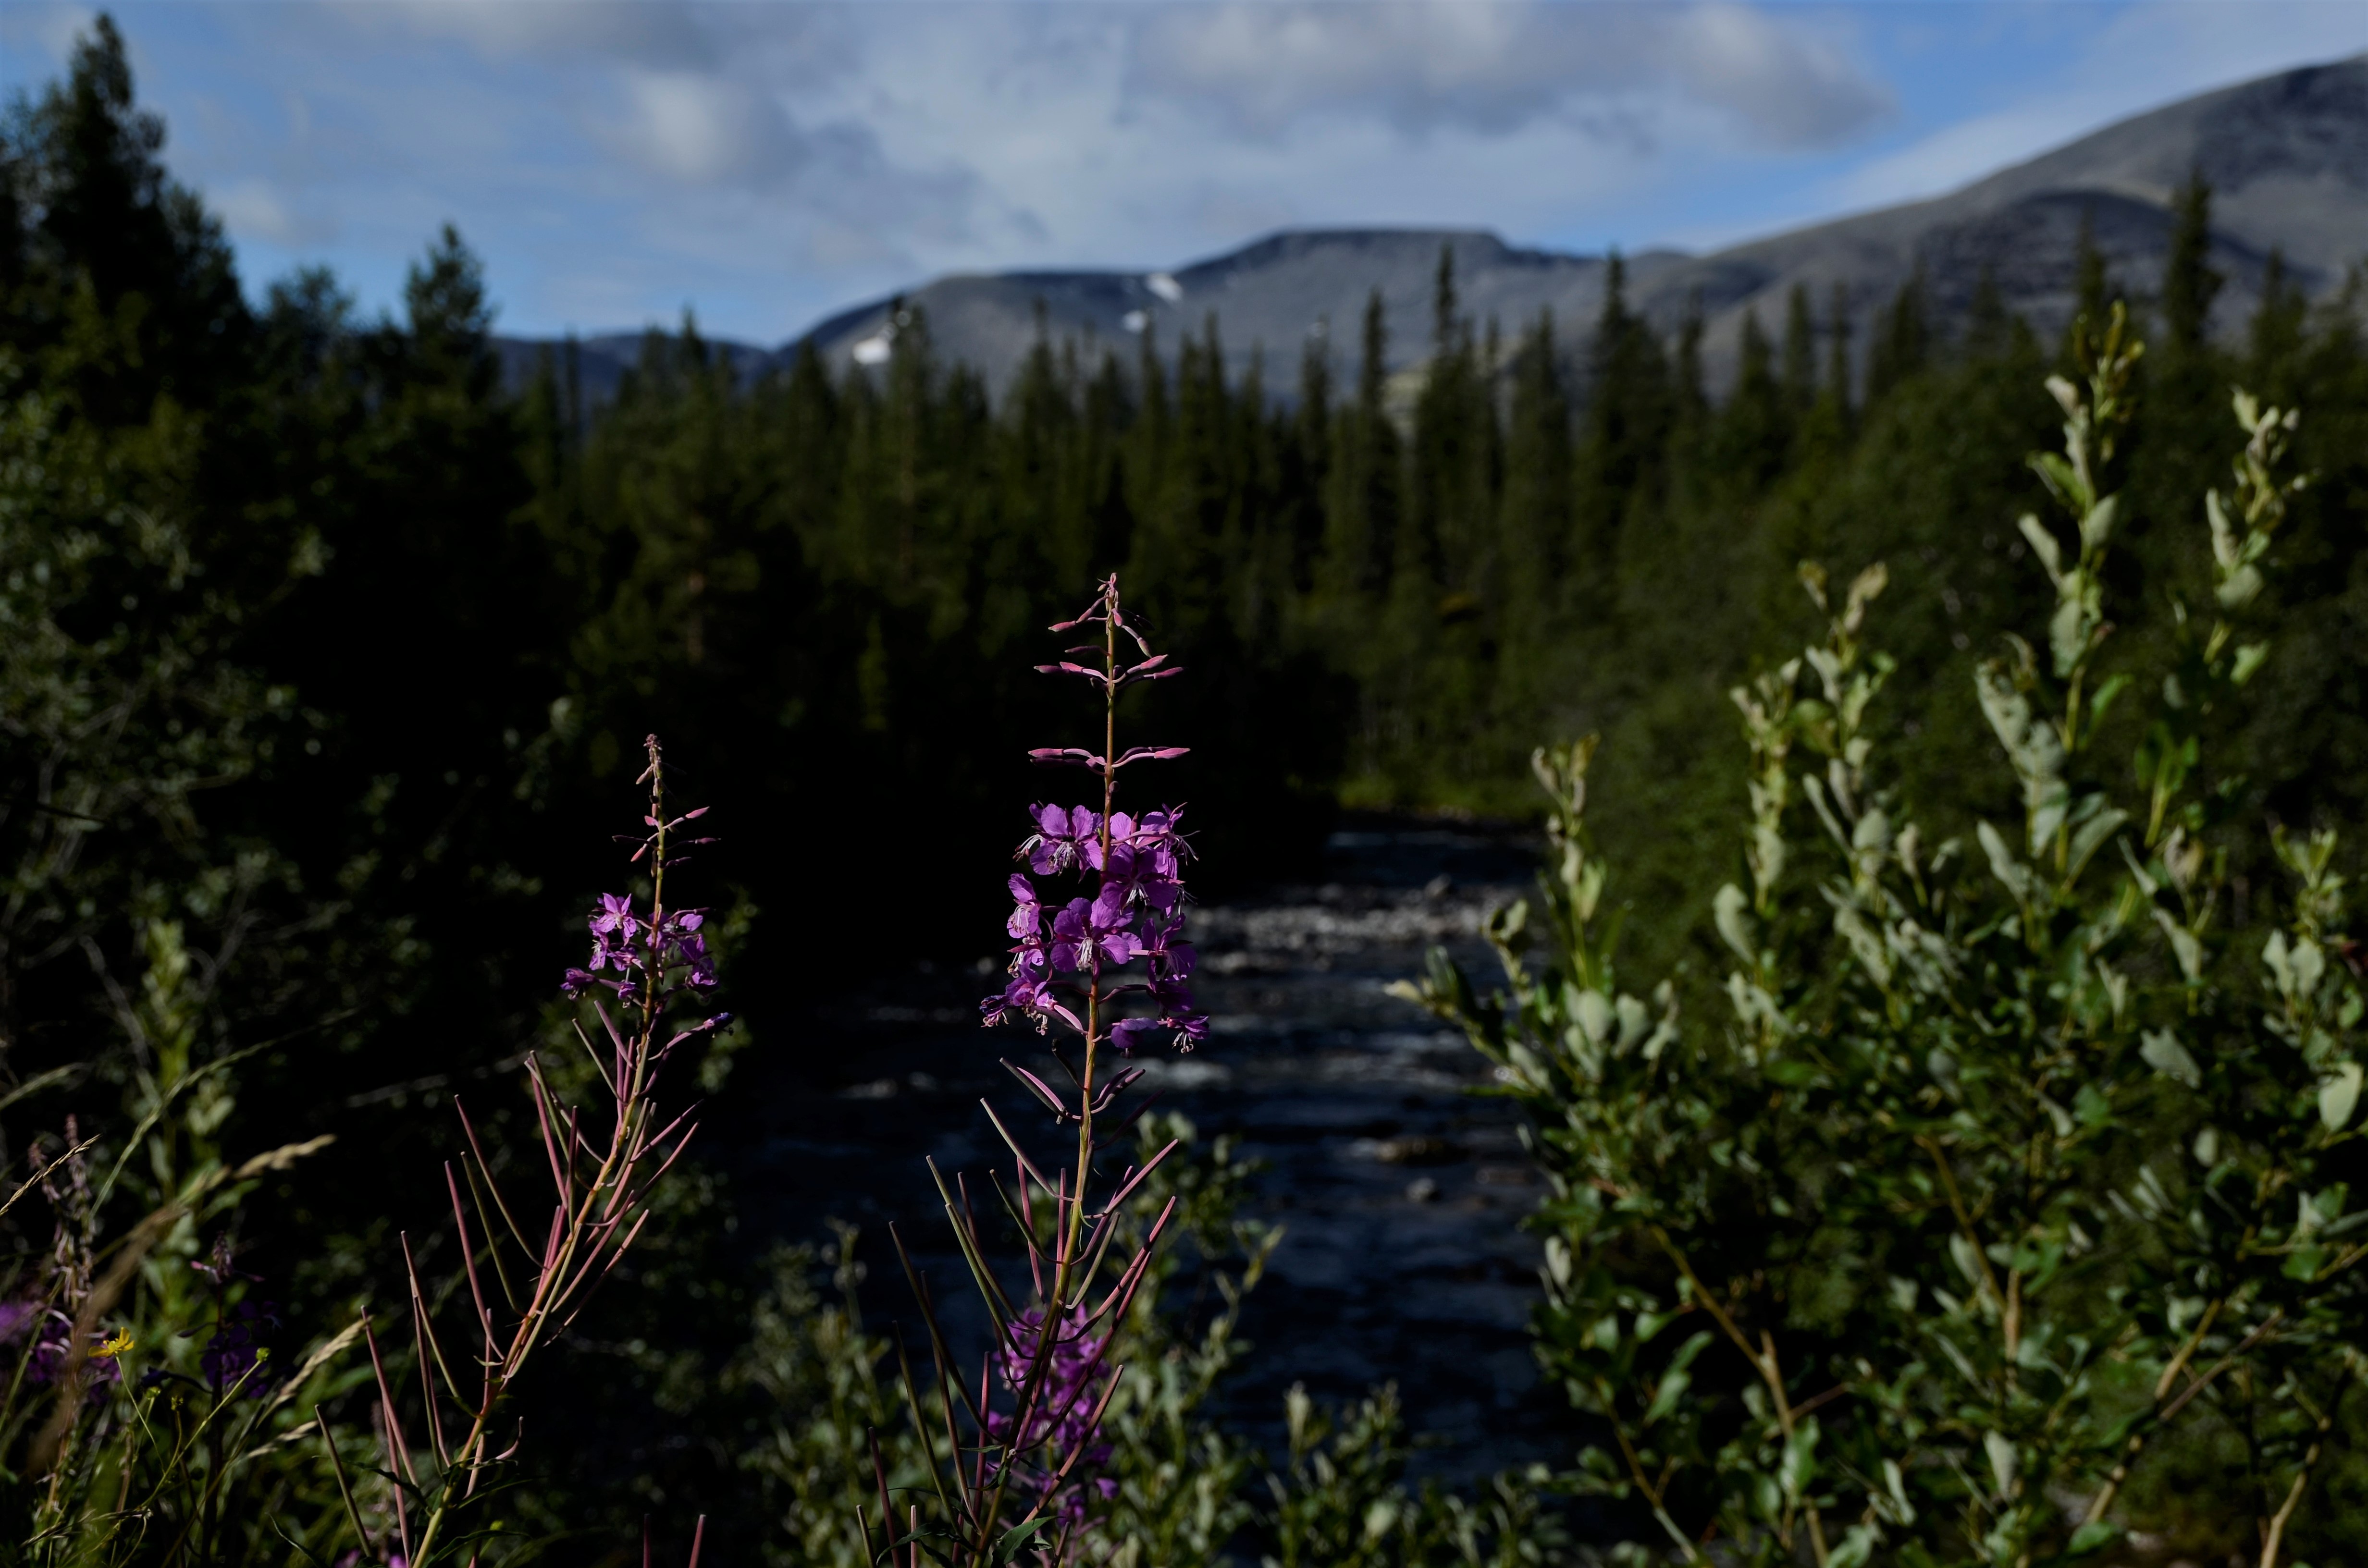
(2286, 156)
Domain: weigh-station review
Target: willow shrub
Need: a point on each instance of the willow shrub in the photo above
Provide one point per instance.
(2013, 1165)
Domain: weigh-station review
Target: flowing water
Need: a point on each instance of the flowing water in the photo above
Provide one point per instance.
(1401, 1190)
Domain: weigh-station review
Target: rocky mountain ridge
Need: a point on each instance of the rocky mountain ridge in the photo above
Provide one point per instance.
(2286, 156)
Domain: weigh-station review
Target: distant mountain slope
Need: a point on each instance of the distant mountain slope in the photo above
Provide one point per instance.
(2288, 157)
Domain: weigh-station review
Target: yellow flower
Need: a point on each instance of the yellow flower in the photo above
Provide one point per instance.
(115, 1347)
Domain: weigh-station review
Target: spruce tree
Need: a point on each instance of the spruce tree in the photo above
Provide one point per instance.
(1445, 541)
(1362, 509)
(2092, 283)
(2189, 281)
(1628, 415)
(1800, 350)
(1986, 324)
(2277, 333)
(1836, 391)
(1693, 395)
(91, 203)
(1306, 456)
(1753, 431)
(1902, 340)
(1537, 495)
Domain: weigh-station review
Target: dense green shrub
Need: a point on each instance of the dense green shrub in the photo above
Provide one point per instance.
(2022, 1164)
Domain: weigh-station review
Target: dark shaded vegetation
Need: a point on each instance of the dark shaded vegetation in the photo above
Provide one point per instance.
(324, 657)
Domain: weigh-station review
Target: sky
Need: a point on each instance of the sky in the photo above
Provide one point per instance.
(763, 163)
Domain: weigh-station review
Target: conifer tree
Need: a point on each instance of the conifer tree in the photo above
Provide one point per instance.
(1306, 456)
(1986, 324)
(1902, 340)
(2189, 281)
(1836, 391)
(1800, 350)
(1693, 395)
(1361, 516)
(1753, 432)
(2092, 283)
(2276, 335)
(91, 203)
(1628, 410)
(1537, 495)
(1445, 542)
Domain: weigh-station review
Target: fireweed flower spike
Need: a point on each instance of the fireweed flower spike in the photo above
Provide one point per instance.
(527, 1273)
(1095, 966)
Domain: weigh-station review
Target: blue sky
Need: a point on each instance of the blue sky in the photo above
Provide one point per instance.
(766, 162)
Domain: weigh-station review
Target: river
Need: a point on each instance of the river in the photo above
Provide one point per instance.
(1401, 1190)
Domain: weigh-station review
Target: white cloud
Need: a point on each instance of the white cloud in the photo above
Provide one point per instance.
(1790, 86)
(705, 129)
(653, 33)
(1494, 68)
(254, 209)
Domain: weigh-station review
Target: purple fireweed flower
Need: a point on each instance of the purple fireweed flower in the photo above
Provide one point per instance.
(1030, 997)
(17, 1320)
(616, 916)
(1129, 1034)
(1135, 914)
(1172, 958)
(1103, 929)
(233, 1352)
(1065, 837)
(624, 940)
(1027, 913)
(1066, 1379)
(1177, 1012)
(1153, 840)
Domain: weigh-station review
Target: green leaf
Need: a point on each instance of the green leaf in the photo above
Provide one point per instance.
(2092, 1537)
(2338, 1096)
(2091, 837)
(1677, 1379)
(2091, 1107)
(2162, 1052)
(1856, 1548)
(2004, 1461)
(1798, 1468)
(1727, 911)
(2184, 946)
(2239, 588)
(1017, 1536)
(1673, 1384)
(2096, 527)
(2043, 545)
